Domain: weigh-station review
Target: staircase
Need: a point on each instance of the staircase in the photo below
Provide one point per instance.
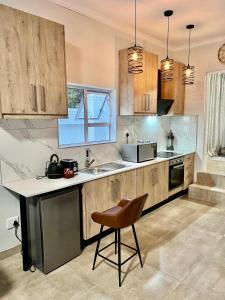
(209, 188)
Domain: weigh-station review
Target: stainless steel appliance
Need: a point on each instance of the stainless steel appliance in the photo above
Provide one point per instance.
(54, 228)
(167, 154)
(176, 172)
(139, 152)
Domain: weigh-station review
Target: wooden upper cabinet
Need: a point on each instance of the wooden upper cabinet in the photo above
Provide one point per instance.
(49, 51)
(138, 92)
(175, 90)
(32, 66)
(17, 80)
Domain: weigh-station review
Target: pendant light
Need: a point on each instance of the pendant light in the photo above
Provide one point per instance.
(188, 71)
(135, 53)
(167, 64)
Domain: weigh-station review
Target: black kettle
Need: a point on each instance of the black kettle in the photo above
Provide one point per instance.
(54, 168)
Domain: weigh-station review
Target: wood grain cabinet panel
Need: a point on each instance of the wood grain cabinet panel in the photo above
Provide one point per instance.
(138, 92)
(154, 181)
(50, 66)
(102, 194)
(175, 90)
(32, 66)
(188, 170)
(17, 80)
(94, 198)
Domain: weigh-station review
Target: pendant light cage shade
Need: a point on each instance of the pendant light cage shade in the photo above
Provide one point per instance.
(135, 59)
(135, 53)
(167, 64)
(167, 67)
(189, 71)
(188, 74)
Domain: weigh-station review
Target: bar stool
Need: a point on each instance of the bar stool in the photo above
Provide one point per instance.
(124, 214)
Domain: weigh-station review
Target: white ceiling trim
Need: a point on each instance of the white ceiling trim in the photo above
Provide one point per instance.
(83, 10)
(217, 39)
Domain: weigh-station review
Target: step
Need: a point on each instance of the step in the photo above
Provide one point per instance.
(211, 179)
(212, 195)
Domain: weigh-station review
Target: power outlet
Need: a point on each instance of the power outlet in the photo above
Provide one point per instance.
(10, 221)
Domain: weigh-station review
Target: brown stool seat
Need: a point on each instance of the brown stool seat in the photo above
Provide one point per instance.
(124, 214)
(111, 217)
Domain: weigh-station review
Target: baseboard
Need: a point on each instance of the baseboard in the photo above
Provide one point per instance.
(10, 252)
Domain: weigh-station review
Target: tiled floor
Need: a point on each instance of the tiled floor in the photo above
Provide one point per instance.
(183, 249)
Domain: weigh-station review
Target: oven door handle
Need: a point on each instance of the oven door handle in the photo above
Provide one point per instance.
(178, 167)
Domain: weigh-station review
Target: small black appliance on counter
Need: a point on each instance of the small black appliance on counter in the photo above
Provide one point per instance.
(71, 164)
(54, 168)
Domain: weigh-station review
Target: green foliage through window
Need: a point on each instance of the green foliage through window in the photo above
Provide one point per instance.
(75, 97)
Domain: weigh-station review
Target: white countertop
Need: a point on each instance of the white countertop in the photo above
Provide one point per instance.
(33, 187)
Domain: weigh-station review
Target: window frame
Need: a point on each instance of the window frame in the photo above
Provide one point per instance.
(112, 115)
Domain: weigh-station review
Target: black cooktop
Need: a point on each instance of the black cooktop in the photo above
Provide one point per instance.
(167, 154)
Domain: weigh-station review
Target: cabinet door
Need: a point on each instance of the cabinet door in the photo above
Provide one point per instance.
(145, 181)
(179, 90)
(151, 82)
(94, 198)
(188, 170)
(18, 94)
(175, 89)
(49, 50)
(139, 96)
(146, 85)
(161, 179)
(122, 185)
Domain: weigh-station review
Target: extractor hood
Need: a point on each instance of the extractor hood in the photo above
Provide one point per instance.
(163, 105)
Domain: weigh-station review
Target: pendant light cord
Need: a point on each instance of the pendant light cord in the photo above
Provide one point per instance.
(167, 42)
(135, 22)
(189, 48)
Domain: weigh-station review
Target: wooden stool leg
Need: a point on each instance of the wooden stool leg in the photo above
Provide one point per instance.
(136, 241)
(116, 241)
(97, 247)
(119, 256)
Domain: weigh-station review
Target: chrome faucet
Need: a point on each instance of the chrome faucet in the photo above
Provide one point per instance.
(88, 162)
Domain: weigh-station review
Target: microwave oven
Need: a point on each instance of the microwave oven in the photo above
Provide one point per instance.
(139, 152)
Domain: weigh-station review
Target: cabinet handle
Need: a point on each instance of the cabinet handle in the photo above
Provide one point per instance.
(156, 176)
(34, 97)
(148, 102)
(113, 190)
(143, 103)
(117, 193)
(42, 95)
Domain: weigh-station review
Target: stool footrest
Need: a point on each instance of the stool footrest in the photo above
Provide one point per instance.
(113, 262)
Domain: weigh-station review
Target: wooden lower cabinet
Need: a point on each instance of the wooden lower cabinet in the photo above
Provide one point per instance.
(154, 181)
(104, 193)
(188, 170)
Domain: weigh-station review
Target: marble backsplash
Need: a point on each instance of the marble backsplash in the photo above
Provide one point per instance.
(25, 145)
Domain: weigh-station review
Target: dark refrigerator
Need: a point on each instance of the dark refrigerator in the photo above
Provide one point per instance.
(54, 228)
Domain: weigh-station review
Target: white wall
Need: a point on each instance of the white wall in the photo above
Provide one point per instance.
(204, 58)
(92, 58)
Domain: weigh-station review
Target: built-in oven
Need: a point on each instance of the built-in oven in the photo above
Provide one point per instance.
(176, 172)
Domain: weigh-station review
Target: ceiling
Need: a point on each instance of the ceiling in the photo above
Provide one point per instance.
(207, 15)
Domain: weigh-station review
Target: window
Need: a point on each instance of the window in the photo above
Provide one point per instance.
(91, 117)
(215, 114)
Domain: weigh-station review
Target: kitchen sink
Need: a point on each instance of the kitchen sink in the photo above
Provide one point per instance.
(103, 168)
(94, 171)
